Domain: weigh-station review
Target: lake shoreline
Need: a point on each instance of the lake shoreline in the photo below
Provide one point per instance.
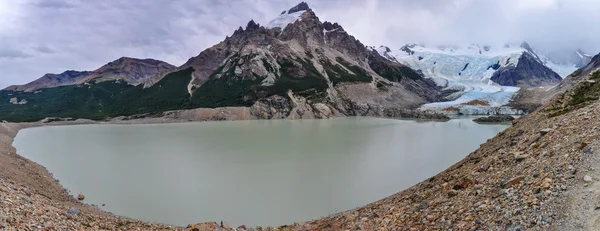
(442, 201)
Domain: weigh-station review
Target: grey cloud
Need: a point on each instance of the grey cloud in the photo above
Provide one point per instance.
(7, 53)
(55, 4)
(44, 49)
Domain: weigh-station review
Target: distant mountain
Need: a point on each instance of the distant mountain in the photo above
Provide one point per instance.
(131, 70)
(510, 65)
(294, 67)
(565, 62)
(484, 78)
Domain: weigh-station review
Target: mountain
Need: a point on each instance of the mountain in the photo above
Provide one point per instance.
(294, 67)
(484, 78)
(132, 71)
(533, 98)
(565, 62)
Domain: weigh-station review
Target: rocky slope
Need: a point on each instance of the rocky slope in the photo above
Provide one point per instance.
(294, 67)
(132, 71)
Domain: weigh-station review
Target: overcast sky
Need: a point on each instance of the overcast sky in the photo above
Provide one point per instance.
(51, 36)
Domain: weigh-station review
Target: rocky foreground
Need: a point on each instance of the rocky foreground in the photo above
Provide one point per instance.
(539, 174)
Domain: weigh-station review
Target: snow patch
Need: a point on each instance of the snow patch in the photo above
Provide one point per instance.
(283, 20)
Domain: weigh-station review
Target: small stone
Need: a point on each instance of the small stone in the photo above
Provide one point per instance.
(545, 131)
(536, 174)
(587, 150)
(519, 157)
(587, 178)
(3, 218)
(452, 193)
(514, 122)
(103, 204)
(73, 211)
(242, 227)
(583, 145)
(512, 182)
(80, 197)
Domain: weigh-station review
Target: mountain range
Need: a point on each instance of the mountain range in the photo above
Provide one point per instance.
(295, 66)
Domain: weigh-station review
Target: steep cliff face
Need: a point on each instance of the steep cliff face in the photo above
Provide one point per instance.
(297, 55)
(528, 72)
(130, 70)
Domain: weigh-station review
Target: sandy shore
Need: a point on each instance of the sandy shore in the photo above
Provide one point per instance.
(522, 179)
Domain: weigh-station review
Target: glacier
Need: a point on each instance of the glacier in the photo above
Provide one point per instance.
(467, 71)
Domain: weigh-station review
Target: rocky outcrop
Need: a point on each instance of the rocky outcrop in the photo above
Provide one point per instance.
(495, 119)
(529, 72)
(130, 70)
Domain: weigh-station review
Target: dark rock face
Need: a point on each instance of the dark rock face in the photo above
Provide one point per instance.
(300, 7)
(495, 119)
(528, 72)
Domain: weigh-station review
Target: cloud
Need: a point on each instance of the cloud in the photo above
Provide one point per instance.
(54, 4)
(7, 53)
(41, 36)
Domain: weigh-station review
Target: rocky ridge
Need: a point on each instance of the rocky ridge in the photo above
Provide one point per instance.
(131, 70)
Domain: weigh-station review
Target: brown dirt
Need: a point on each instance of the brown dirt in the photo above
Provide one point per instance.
(477, 103)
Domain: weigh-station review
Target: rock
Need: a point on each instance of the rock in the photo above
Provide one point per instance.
(452, 193)
(241, 227)
(583, 145)
(464, 183)
(225, 225)
(205, 226)
(587, 150)
(512, 182)
(494, 119)
(73, 211)
(514, 122)
(520, 157)
(80, 197)
(545, 131)
(546, 183)
(587, 178)
(322, 111)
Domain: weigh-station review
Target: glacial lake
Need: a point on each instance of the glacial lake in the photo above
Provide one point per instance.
(248, 172)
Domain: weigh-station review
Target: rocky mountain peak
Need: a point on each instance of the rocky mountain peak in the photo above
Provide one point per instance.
(252, 26)
(527, 47)
(300, 7)
(332, 26)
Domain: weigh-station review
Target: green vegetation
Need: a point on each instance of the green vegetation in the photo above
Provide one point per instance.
(104, 100)
(578, 97)
(337, 74)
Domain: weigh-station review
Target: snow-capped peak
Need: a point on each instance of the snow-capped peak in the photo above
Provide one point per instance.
(289, 16)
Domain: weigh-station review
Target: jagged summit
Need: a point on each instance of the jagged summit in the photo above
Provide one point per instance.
(303, 6)
(290, 16)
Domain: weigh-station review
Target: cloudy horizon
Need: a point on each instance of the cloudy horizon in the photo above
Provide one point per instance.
(51, 36)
